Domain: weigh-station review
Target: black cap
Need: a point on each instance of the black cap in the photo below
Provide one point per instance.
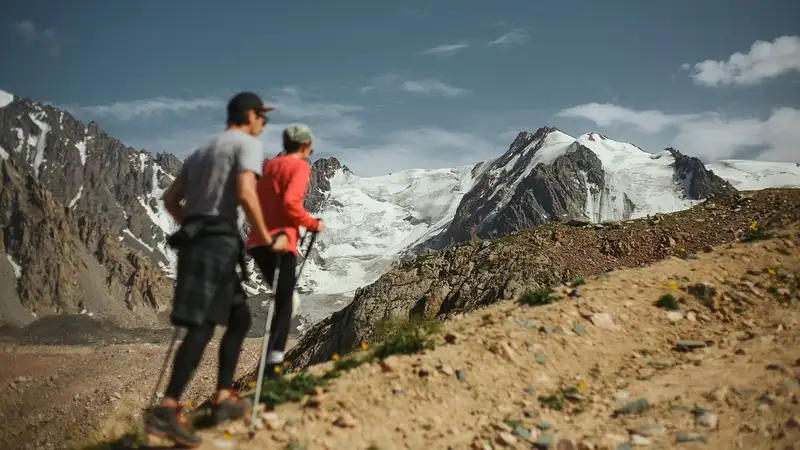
(246, 101)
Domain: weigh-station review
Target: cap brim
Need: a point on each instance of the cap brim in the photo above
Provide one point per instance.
(266, 108)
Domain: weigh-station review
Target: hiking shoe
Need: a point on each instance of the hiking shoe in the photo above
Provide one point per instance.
(168, 422)
(231, 408)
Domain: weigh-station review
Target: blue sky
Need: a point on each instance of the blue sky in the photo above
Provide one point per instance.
(395, 85)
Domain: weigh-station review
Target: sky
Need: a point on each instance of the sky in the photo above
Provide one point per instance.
(393, 85)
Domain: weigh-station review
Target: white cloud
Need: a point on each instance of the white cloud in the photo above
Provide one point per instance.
(513, 37)
(31, 33)
(765, 60)
(432, 87)
(708, 135)
(146, 108)
(392, 81)
(418, 147)
(445, 49)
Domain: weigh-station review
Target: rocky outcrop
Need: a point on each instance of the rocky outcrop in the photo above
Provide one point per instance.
(322, 170)
(470, 275)
(58, 274)
(511, 195)
(697, 181)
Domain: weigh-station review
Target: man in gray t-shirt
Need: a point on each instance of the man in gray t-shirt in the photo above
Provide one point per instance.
(214, 180)
(210, 172)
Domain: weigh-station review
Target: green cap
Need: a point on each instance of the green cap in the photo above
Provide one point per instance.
(298, 132)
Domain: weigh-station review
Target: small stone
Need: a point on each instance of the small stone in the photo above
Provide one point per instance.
(544, 426)
(719, 394)
(648, 430)
(793, 422)
(345, 421)
(792, 384)
(624, 446)
(390, 363)
(603, 320)
(586, 445)
(445, 369)
(521, 433)
(425, 370)
(639, 440)
(707, 420)
(505, 438)
(453, 337)
(621, 396)
(691, 437)
(460, 375)
(747, 428)
(565, 444)
(545, 441)
(579, 329)
(20, 379)
(540, 358)
(635, 407)
(663, 363)
(687, 345)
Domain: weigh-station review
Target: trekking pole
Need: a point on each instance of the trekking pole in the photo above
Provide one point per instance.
(264, 344)
(308, 253)
(252, 431)
(164, 367)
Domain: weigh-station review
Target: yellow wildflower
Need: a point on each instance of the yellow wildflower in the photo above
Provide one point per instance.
(226, 435)
(364, 346)
(335, 357)
(673, 285)
(251, 384)
(581, 385)
(753, 226)
(771, 271)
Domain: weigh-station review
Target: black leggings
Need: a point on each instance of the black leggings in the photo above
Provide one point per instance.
(266, 260)
(191, 351)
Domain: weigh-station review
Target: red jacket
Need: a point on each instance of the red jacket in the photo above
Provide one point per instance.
(281, 190)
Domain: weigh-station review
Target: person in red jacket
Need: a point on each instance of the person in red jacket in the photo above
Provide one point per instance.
(281, 191)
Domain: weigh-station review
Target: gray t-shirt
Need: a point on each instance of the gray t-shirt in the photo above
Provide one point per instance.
(209, 174)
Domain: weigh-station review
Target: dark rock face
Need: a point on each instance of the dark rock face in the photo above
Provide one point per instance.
(71, 184)
(511, 195)
(697, 182)
(322, 170)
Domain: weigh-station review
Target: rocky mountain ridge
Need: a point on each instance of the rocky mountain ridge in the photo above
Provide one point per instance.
(480, 272)
(548, 175)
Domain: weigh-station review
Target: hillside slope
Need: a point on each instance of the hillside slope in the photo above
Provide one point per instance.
(483, 272)
(603, 367)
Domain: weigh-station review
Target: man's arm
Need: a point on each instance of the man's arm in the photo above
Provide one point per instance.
(174, 195)
(249, 161)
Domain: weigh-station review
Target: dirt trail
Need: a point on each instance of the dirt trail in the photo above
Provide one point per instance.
(68, 379)
(603, 347)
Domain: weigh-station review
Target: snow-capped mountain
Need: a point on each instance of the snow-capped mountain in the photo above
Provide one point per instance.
(546, 175)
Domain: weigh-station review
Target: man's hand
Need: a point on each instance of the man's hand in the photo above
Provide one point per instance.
(320, 226)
